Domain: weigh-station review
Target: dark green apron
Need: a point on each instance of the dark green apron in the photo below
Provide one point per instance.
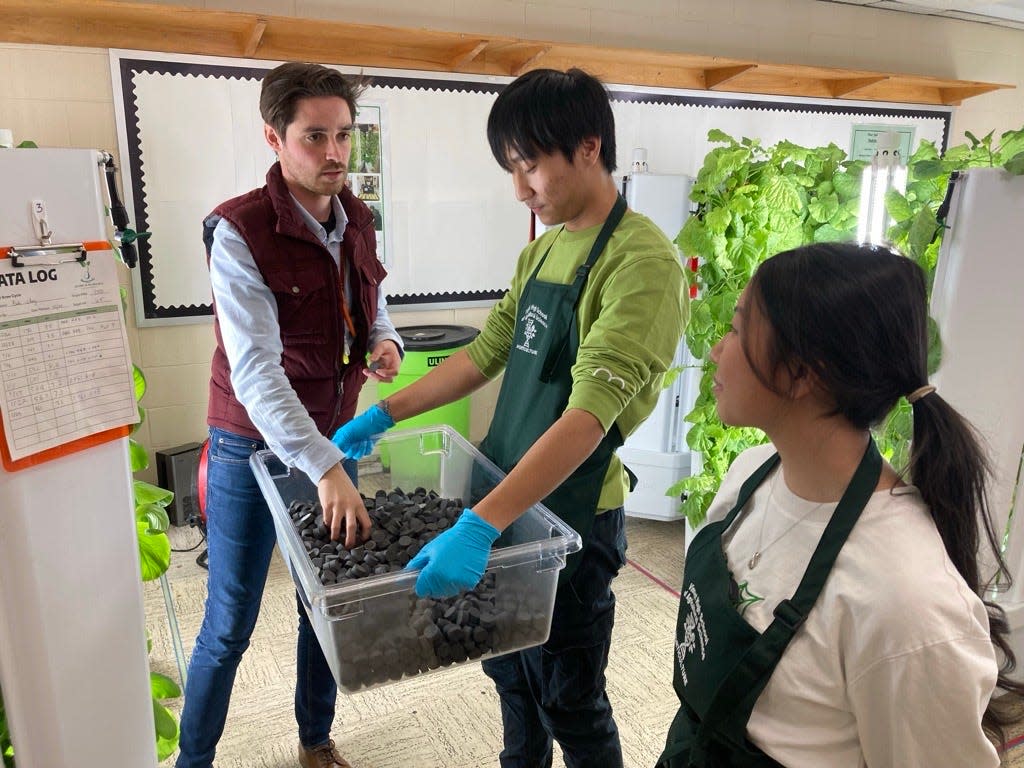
(722, 663)
(536, 387)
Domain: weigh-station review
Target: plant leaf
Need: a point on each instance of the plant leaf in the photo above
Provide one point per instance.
(166, 726)
(1011, 144)
(930, 259)
(822, 209)
(1015, 165)
(139, 380)
(165, 748)
(154, 516)
(826, 233)
(154, 552)
(717, 220)
(731, 160)
(934, 346)
(926, 150)
(147, 493)
(694, 240)
(780, 193)
(846, 185)
(142, 420)
(928, 169)
(897, 206)
(163, 687)
(670, 376)
(922, 231)
(137, 455)
(893, 436)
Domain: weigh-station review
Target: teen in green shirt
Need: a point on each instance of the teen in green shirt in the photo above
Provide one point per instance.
(584, 336)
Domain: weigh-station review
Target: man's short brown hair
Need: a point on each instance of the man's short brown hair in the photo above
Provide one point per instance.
(283, 86)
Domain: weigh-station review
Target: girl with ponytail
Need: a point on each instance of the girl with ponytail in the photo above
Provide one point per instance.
(833, 610)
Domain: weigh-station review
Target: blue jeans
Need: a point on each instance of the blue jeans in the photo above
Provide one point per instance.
(240, 539)
(556, 691)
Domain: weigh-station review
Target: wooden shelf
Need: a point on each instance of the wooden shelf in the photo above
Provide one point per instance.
(175, 29)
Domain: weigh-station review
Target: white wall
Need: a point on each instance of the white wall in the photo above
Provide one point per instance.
(62, 97)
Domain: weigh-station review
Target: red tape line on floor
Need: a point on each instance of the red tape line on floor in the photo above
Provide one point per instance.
(653, 578)
(1013, 743)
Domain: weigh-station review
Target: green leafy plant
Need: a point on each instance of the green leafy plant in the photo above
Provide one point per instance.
(151, 525)
(6, 749)
(755, 201)
(151, 518)
(167, 733)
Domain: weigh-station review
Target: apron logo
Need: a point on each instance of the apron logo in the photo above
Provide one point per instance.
(694, 631)
(532, 317)
(742, 597)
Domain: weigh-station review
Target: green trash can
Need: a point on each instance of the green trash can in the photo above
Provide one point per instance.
(426, 347)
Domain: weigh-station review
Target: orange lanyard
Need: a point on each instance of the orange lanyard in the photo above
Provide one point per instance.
(344, 307)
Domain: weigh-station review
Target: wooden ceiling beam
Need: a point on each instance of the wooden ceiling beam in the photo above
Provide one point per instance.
(715, 77)
(466, 54)
(177, 29)
(846, 86)
(252, 44)
(534, 54)
(954, 94)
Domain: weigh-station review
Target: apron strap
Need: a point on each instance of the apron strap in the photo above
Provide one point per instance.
(555, 352)
(749, 486)
(739, 691)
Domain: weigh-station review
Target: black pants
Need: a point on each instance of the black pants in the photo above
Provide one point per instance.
(557, 691)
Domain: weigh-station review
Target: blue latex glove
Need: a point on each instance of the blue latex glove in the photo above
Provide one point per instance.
(355, 439)
(456, 559)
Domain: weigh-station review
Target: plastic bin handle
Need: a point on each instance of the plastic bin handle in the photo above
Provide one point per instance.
(557, 563)
(276, 469)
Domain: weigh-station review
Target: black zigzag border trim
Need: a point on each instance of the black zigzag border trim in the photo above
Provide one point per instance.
(412, 299)
(131, 67)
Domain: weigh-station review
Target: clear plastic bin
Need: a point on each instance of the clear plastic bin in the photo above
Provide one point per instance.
(374, 630)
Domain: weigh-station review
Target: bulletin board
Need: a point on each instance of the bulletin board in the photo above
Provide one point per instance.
(191, 136)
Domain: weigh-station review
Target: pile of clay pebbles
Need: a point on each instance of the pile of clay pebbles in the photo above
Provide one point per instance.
(397, 635)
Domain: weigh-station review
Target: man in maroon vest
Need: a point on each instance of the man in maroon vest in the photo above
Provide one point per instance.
(298, 309)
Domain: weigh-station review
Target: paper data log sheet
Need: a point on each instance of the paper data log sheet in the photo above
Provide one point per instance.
(65, 367)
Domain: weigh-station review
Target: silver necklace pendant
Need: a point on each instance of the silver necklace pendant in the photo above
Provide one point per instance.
(754, 560)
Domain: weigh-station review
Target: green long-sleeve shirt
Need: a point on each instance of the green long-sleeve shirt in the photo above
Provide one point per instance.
(631, 316)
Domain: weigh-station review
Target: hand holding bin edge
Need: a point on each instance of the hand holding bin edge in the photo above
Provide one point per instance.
(456, 559)
(356, 438)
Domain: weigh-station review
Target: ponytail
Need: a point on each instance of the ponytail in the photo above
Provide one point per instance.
(950, 469)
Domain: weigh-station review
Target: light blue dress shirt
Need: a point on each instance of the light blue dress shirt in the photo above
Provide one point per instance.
(249, 328)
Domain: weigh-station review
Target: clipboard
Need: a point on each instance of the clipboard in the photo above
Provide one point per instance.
(52, 256)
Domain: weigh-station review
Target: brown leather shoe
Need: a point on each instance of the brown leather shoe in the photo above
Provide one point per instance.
(324, 756)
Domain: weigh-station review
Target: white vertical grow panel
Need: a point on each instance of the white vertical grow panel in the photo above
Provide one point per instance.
(73, 664)
(656, 452)
(977, 303)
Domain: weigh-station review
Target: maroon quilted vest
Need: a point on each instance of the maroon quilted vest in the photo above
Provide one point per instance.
(305, 283)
